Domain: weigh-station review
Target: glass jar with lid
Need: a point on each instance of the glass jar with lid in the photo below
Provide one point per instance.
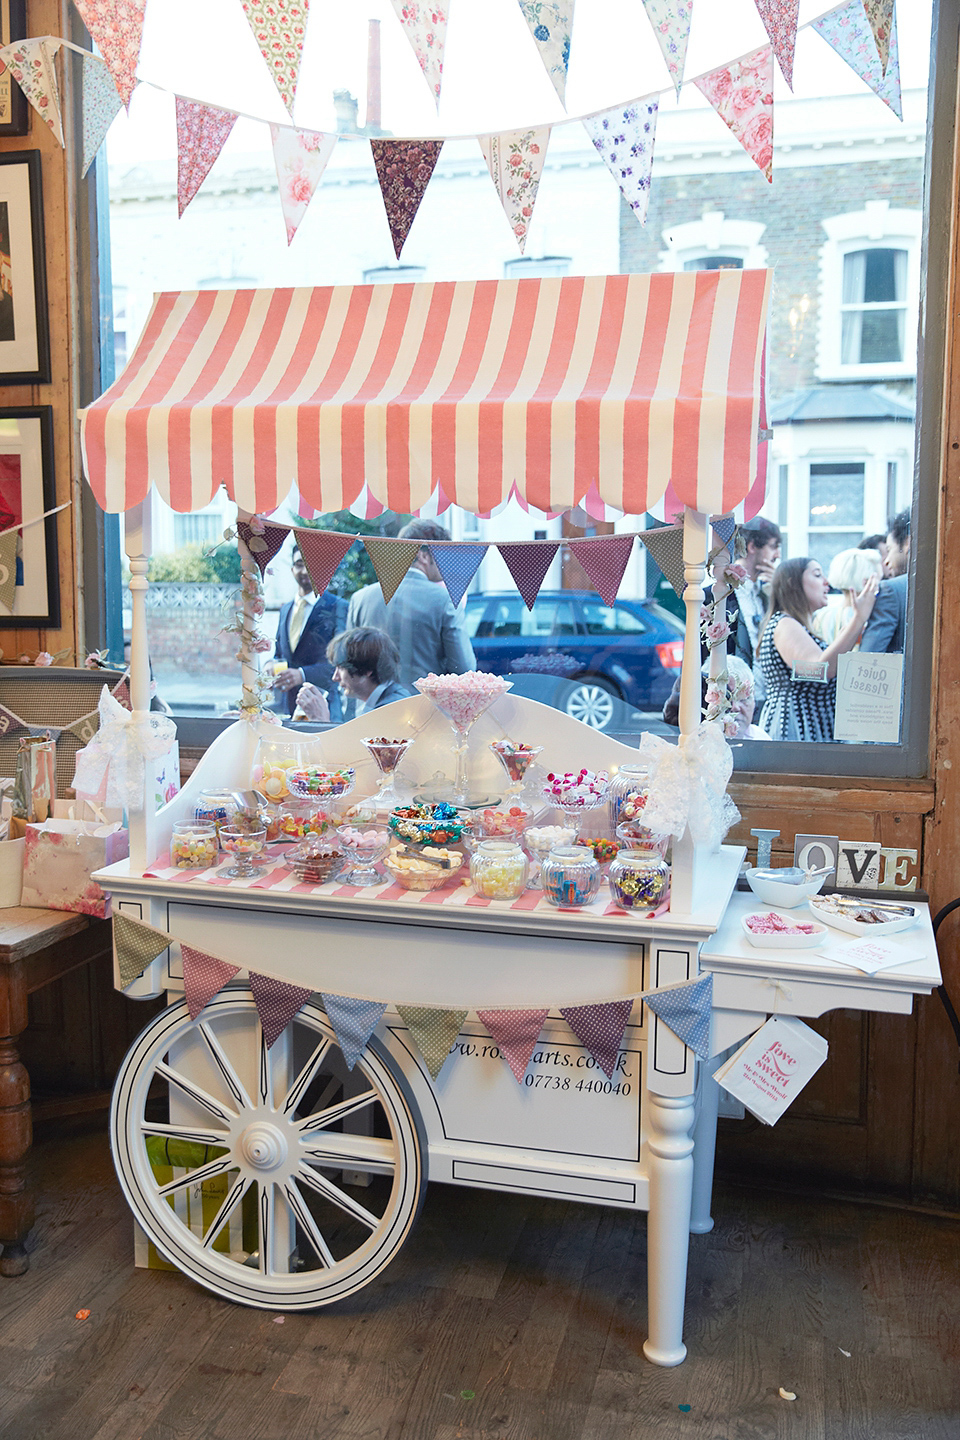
(499, 869)
(627, 795)
(193, 845)
(570, 876)
(216, 807)
(640, 878)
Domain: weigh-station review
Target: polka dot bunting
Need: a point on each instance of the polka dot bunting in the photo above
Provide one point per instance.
(599, 1028)
(686, 1009)
(276, 1003)
(434, 1031)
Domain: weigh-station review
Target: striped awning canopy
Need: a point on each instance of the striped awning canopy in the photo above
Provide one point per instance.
(621, 382)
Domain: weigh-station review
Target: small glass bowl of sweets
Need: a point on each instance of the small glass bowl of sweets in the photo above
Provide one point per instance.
(387, 753)
(570, 876)
(317, 859)
(499, 869)
(194, 845)
(603, 850)
(502, 822)
(246, 845)
(576, 793)
(439, 824)
(516, 758)
(428, 868)
(363, 849)
(539, 840)
(296, 819)
(310, 782)
(640, 879)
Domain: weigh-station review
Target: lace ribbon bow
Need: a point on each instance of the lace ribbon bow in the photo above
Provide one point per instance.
(115, 757)
(687, 785)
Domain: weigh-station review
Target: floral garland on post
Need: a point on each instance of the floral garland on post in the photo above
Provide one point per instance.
(249, 606)
(722, 692)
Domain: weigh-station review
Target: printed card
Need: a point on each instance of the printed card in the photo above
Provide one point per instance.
(871, 955)
(768, 1072)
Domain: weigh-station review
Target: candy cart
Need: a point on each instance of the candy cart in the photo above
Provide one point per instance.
(286, 1169)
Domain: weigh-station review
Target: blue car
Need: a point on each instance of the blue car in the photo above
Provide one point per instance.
(630, 651)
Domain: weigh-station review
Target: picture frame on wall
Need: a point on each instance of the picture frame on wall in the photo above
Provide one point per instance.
(24, 328)
(27, 492)
(14, 110)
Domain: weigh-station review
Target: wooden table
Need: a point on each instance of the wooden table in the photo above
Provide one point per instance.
(36, 948)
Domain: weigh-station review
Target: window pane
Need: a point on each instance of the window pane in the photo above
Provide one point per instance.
(881, 336)
(880, 282)
(714, 262)
(836, 496)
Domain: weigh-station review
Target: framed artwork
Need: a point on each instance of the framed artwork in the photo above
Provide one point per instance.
(26, 494)
(14, 111)
(24, 332)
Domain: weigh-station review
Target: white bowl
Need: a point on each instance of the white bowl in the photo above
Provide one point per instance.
(784, 942)
(857, 927)
(781, 894)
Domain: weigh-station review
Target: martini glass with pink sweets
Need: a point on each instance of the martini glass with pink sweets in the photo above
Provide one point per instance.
(463, 699)
(577, 792)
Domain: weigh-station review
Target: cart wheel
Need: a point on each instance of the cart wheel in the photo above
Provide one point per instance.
(275, 1178)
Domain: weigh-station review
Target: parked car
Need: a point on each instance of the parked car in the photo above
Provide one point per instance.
(629, 651)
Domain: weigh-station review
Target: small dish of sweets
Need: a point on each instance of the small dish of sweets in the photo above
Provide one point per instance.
(427, 869)
(772, 931)
(863, 917)
(438, 824)
(316, 860)
(309, 782)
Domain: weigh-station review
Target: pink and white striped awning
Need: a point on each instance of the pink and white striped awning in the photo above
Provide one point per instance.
(617, 384)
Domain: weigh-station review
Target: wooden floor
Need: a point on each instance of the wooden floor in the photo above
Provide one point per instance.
(503, 1318)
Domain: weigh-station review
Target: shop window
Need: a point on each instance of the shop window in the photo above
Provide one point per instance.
(870, 292)
(836, 510)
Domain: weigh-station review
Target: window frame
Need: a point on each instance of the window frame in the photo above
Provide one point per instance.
(875, 227)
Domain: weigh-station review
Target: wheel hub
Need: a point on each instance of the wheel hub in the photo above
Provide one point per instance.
(263, 1146)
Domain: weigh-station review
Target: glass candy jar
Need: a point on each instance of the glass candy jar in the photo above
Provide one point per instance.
(499, 869)
(216, 807)
(193, 845)
(640, 879)
(570, 875)
(627, 794)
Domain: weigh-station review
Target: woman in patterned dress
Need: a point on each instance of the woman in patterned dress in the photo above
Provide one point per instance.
(798, 708)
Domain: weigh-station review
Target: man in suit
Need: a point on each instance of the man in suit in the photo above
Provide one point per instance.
(307, 625)
(885, 631)
(420, 619)
(366, 663)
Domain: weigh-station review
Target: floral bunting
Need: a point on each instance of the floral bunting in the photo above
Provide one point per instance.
(117, 29)
(391, 559)
(322, 552)
(458, 564)
(882, 22)
(670, 20)
(300, 157)
(624, 140)
(780, 22)
(551, 24)
(425, 26)
(528, 564)
(263, 540)
(280, 28)
(515, 161)
(277, 1003)
(742, 95)
(202, 131)
(101, 104)
(600, 1029)
(204, 976)
(686, 1009)
(136, 946)
(665, 544)
(517, 1033)
(353, 1021)
(8, 568)
(32, 63)
(848, 32)
(404, 168)
(604, 559)
(433, 1031)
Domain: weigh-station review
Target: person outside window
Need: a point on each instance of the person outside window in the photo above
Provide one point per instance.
(305, 629)
(887, 628)
(848, 573)
(366, 663)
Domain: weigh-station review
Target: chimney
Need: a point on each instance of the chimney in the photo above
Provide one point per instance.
(345, 108)
(373, 120)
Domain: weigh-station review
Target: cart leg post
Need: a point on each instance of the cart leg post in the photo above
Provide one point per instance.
(704, 1151)
(670, 1152)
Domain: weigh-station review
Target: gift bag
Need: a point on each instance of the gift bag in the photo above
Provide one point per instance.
(770, 1069)
(59, 858)
(197, 1205)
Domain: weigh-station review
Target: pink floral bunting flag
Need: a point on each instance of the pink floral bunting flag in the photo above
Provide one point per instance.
(882, 20)
(605, 560)
(670, 20)
(264, 542)
(433, 1032)
(551, 24)
(600, 1029)
(515, 161)
(624, 139)
(742, 95)
(528, 564)
(280, 28)
(300, 157)
(32, 63)
(117, 28)
(391, 559)
(277, 1003)
(203, 977)
(322, 552)
(848, 32)
(425, 25)
(780, 22)
(101, 105)
(404, 168)
(517, 1033)
(202, 132)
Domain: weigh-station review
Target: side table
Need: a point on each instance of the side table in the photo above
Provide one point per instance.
(36, 948)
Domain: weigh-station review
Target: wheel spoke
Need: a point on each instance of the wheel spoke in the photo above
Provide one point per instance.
(196, 1093)
(266, 1219)
(297, 1090)
(266, 1073)
(351, 1152)
(332, 1192)
(324, 1118)
(227, 1071)
(195, 1177)
(180, 1132)
(231, 1200)
(298, 1208)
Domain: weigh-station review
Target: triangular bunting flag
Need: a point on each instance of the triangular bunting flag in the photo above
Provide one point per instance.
(203, 977)
(671, 25)
(882, 21)
(121, 693)
(528, 564)
(517, 1033)
(686, 1009)
(551, 24)
(51, 732)
(742, 95)
(300, 157)
(404, 168)
(117, 28)
(848, 32)
(723, 527)
(604, 559)
(322, 552)
(599, 1028)
(665, 544)
(32, 63)
(136, 946)
(101, 106)
(202, 131)
(280, 28)
(391, 559)
(433, 1032)
(86, 727)
(277, 1003)
(263, 547)
(458, 564)
(8, 567)
(9, 722)
(780, 22)
(624, 138)
(354, 1022)
(515, 161)
(426, 29)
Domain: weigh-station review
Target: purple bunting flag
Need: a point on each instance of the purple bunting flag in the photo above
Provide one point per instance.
(354, 1021)
(404, 168)
(458, 564)
(263, 547)
(600, 1029)
(10, 723)
(517, 1033)
(203, 977)
(322, 552)
(624, 139)
(528, 564)
(605, 560)
(686, 1009)
(202, 132)
(277, 1003)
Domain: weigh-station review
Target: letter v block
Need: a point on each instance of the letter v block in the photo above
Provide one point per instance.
(858, 865)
